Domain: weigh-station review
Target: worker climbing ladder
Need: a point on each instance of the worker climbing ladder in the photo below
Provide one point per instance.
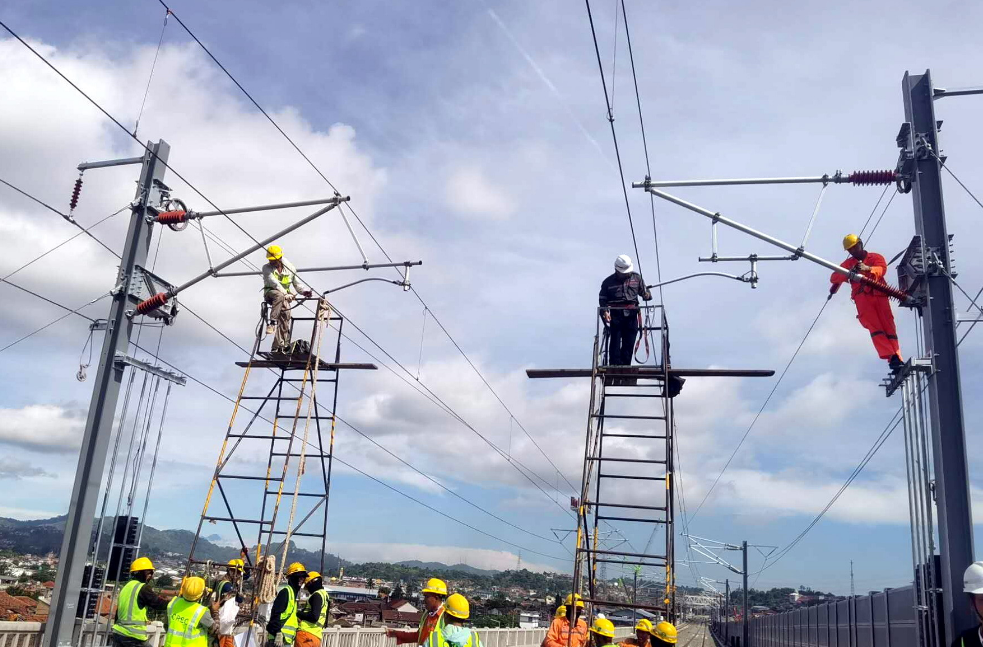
(270, 490)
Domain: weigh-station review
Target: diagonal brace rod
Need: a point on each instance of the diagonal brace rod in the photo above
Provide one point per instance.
(809, 256)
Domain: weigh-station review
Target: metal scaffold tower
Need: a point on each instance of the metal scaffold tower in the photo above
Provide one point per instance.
(628, 475)
(628, 464)
(272, 479)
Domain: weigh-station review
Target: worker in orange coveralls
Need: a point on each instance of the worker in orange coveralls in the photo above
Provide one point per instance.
(560, 633)
(873, 306)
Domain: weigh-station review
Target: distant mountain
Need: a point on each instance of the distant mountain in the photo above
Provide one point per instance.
(45, 535)
(214, 537)
(438, 566)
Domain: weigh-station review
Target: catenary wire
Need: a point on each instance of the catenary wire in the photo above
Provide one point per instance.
(156, 355)
(373, 238)
(394, 489)
(614, 135)
(198, 192)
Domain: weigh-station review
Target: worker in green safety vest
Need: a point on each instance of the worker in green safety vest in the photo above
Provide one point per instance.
(283, 614)
(280, 287)
(136, 596)
(188, 621)
(457, 611)
(314, 615)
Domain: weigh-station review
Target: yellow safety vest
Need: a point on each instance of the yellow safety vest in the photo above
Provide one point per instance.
(437, 639)
(288, 618)
(184, 624)
(317, 630)
(131, 620)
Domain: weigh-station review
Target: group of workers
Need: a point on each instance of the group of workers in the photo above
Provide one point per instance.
(619, 306)
(443, 622)
(569, 629)
(192, 617)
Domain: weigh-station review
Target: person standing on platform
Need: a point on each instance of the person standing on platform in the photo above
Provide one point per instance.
(643, 632)
(314, 615)
(283, 614)
(601, 632)
(618, 301)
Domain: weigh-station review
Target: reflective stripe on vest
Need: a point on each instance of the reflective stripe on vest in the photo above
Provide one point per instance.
(288, 619)
(183, 624)
(437, 639)
(317, 630)
(284, 276)
(131, 620)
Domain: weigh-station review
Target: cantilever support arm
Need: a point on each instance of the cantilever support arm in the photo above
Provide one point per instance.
(809, 256)
(161, 298)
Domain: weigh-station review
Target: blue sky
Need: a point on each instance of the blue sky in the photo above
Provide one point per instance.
(473, 135)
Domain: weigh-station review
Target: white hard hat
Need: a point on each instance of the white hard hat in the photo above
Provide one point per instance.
(973, 579)
(623, 264)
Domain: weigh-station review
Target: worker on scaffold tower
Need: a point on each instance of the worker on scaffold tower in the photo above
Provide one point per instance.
(280, 287)
(873, 306)
(618, 300)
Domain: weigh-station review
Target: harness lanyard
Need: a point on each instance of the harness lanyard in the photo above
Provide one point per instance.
(644, 335)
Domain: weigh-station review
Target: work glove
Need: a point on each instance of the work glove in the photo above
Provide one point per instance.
(834, 288)
(307, 293)
(290, 297)
(606, 316)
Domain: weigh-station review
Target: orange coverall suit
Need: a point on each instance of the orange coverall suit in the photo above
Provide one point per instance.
(873, 306)
(560, 629)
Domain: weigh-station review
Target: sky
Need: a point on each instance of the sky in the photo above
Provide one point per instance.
(473, 136)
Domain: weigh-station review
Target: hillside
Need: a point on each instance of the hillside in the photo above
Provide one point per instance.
(45, 535)
(438, 566)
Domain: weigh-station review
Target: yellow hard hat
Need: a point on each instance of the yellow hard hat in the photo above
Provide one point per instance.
(850, 240)
(665, 632)
(237, 564)
(141, 564)
(644, 625)
(313, 575)
(572, 597)
(274, 253)
(457, 606)
(296, 567)
(435, 586)
(603, 627)
(192, 588)
(561, 611)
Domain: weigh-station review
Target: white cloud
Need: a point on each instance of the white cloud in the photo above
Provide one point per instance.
(499, 560)
(42, 427)
(18, 469)
(470, 193)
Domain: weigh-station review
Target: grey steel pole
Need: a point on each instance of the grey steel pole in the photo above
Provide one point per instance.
(727, 611)
(945, 397)
(265, 207)
(634, 599)
(744, 629)
(102, 408)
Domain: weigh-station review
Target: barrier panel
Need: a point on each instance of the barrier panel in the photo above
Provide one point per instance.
(883, 619)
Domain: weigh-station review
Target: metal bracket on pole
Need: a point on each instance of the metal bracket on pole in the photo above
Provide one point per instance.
(122, 359)
(84, 166)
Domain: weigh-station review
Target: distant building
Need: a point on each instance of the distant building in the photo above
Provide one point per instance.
(528, 619)
(351, 593)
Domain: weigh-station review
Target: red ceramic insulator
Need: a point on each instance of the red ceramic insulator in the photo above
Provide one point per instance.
(869, 178)
(172, 217)
(152, 303)
(75, 194)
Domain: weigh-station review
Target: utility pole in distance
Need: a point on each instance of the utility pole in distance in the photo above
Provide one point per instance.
(852, 590)
(102, 407)
(921, 150)
(745, 626)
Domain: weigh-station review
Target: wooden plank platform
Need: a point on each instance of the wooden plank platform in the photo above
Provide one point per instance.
(647, 372)
(294, 363)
